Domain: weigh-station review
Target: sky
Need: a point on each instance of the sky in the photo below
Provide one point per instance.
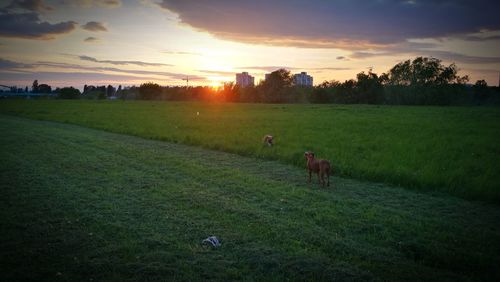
(127, 42)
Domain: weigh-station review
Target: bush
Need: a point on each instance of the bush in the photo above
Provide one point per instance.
(68, 93)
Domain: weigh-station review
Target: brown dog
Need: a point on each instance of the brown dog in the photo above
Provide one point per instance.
(268, 139)
(321, 167)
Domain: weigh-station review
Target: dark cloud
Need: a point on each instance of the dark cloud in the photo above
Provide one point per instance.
(76, 78)
(7, 65)
(139, 63)
(30, 5)
(171, 75)
(94, 26)
(443, 55)
(10, 65)
(480, 38)
(29, 26)
(340, 23)
(457, 57)
(91, 39)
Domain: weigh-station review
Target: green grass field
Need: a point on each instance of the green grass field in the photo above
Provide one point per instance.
(450, 149)
(79, 204)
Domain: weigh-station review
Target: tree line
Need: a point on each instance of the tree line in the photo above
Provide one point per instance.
(421, 81)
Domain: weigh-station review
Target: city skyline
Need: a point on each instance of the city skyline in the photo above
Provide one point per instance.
(101, 42)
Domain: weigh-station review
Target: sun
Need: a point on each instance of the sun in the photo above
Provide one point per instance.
(217, 82)
(214, 84)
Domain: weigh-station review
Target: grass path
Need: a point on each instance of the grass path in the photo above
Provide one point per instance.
(80, 204)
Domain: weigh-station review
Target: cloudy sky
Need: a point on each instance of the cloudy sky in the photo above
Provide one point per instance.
(127, 42)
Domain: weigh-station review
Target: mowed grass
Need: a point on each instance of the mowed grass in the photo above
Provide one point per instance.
(79, 204)
(451, 149)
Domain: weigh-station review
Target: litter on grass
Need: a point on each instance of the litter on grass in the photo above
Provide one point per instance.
(213, 241)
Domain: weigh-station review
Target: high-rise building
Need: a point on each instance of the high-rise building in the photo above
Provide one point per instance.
(303, 79)
(244, 79)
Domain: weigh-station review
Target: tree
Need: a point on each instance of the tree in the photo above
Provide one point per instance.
(424, 71)
(347, 92)
(34, 88)
(480, 90)
(276, 85)
(44, 88)
(110, 91)
(149, 91)
(369, 88)
(101, 92)
(68, 93)
(230, 91)
(424, 81)
(325, 92)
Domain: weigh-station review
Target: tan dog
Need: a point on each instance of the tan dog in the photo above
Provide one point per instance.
(268, 139)
(318, 166)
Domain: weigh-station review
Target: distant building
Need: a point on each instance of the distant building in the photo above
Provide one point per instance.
(303, 79)
(244, 79)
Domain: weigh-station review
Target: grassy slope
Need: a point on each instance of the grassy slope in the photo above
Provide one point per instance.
(78, 203)
(453, 149)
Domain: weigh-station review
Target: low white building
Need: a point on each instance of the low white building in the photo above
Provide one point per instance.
(303, 79)
(244, 79)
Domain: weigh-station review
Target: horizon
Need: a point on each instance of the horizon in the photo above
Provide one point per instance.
(101, 42)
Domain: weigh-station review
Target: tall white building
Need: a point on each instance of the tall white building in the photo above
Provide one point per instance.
(244, 79)
(303, 79)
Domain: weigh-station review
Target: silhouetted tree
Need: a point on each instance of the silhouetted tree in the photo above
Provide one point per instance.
(325, 92)
(424, 81)
(230, 92)
(110, 91)
(34, 88)
(480, 90)
(369, 88)
(424, 71)
(44, 88)
(276, 85)
(68, 93)
(248, 94)
(149, 91)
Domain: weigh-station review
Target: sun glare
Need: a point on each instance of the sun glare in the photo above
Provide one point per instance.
(217, 81)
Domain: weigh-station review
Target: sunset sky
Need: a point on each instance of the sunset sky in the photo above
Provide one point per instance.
(100, 42)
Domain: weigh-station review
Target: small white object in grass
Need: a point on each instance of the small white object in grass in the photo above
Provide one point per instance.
(197, 113)
(213, 241)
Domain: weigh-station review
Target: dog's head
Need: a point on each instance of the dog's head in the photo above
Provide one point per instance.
(268, 139)
(309, 155)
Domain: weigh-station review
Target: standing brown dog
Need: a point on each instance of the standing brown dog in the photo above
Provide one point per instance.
(321, 167)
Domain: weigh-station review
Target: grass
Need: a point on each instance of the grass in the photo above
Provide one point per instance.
(81, 204)
(451, 149)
